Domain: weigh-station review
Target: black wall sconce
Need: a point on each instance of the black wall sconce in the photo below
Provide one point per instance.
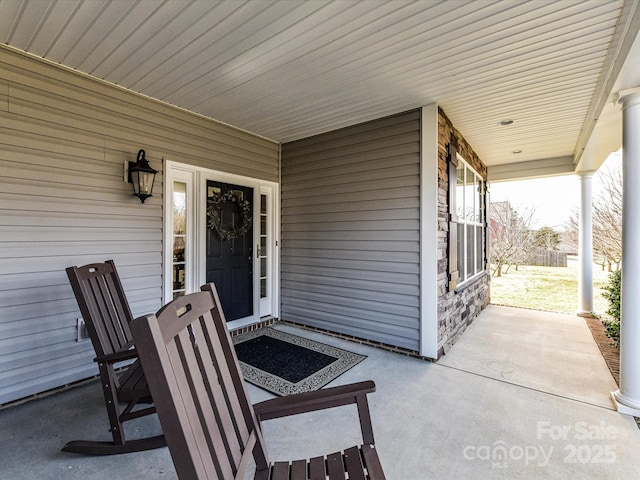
(142, 176)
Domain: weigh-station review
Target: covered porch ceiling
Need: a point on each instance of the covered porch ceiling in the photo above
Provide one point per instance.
(291, 69)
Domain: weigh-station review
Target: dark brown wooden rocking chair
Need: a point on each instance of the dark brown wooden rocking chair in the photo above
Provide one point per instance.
(106, 313)
(211, 427)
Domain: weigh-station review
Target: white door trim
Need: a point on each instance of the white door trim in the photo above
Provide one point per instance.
(178, 171)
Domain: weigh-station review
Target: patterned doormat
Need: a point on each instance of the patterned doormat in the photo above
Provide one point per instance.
(284, 364)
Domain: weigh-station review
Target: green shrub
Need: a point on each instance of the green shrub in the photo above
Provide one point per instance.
(612, 294)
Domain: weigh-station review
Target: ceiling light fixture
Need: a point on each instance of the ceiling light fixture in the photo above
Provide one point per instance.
(516, 151)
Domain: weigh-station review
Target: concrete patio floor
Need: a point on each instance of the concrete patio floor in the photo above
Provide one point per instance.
(523, 394)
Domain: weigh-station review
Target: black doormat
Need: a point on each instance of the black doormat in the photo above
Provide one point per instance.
(284, 364)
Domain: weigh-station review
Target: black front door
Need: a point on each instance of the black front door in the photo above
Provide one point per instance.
(229, 246)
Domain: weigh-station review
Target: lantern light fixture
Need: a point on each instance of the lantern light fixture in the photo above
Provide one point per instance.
(142, 176)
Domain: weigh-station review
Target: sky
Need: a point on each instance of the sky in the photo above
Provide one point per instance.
(552, 198)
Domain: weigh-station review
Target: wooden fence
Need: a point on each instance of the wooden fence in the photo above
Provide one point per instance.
(547, 258)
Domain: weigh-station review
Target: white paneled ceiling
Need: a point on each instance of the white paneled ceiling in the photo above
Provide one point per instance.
(290, 69)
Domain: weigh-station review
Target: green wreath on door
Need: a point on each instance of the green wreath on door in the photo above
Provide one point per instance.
(214, 215)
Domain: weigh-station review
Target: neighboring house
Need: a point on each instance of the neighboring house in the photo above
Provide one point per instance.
(364, 214)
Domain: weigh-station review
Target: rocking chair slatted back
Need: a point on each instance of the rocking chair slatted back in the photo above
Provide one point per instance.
(103, 306)
(199, 394)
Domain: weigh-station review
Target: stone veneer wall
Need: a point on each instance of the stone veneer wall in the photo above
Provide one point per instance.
(457, 309)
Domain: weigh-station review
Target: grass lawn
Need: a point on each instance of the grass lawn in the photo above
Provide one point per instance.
(553, 289)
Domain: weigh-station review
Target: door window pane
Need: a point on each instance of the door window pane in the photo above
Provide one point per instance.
(179, 222)
(263, 248)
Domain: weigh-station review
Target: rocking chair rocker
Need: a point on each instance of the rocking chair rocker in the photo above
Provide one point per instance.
(210, 425)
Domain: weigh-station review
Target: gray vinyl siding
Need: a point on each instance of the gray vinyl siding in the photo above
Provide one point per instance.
(63, 140)
(351, 228)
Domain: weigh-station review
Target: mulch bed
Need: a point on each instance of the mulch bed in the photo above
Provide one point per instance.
(610, 353)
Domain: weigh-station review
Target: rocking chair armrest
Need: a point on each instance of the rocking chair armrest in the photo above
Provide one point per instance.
(312, 401)
(315, 400)
(118, 356)
(322, 399)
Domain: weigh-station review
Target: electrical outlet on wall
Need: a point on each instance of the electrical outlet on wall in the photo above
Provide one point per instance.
(83, 334)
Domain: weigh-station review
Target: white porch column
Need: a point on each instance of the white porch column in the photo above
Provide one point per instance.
(585, 247)
(627, 398)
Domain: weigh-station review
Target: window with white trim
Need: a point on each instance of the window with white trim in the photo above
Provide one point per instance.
(469, 220)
